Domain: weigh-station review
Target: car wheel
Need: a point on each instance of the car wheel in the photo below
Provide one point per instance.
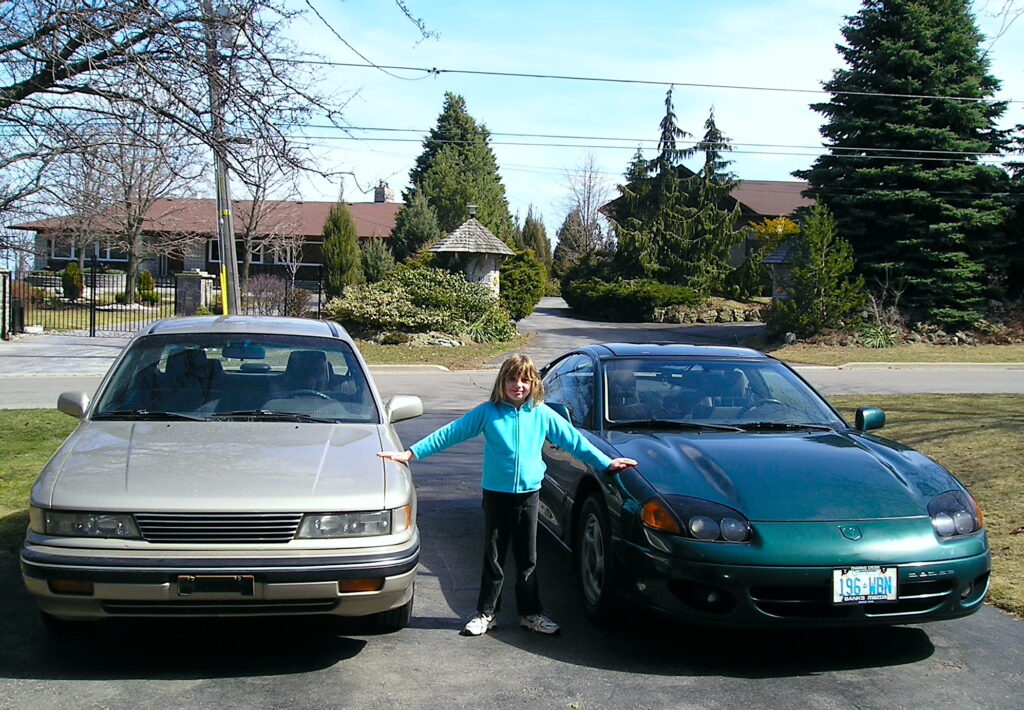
(594, 565)
(394, 619)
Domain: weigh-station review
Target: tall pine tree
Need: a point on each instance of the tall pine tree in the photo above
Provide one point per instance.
(905, 125)
(535, 238)
(674, 225)
(343, 262)
(457, 168)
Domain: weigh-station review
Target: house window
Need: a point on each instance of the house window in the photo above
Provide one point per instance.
(310, 254)
(213, 252)
(105, 252)
(62, 250)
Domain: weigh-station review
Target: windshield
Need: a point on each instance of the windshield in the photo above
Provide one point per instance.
(230, 376)
(735, 393)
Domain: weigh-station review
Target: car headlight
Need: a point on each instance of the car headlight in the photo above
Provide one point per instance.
(955, 513)
(378, 522)
(697, 519)
(83, 524)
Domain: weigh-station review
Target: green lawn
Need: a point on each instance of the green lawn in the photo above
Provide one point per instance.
(833, 355)
(977, 437)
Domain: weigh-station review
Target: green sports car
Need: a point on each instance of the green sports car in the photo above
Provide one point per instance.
(753, 501)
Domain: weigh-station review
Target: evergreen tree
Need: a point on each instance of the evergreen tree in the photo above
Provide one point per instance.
(343, 264)
(674, 225)
(535, 238)
(378, 262)
(819, 294)
(905, 125)
(457, 168)
(415, 227)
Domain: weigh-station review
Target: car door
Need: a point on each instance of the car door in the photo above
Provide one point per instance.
(569, 383)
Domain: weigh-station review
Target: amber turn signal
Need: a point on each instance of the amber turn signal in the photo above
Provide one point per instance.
(361, 585)
(655, 515)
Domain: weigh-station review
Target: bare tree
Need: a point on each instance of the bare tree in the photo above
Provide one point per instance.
(170, 59)
(588, 192)
(266, 218)
(140, 162)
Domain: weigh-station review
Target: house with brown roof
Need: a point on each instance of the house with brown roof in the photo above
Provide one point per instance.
(191, 226)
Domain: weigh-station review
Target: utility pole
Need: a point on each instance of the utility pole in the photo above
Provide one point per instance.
(217, 19)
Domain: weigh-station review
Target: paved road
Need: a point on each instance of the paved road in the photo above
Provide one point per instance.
(641, 662)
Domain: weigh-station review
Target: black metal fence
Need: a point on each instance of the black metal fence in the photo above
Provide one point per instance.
(38, 303)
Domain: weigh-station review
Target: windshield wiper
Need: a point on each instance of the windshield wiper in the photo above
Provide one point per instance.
(782, 426)
(270, 414)
(669, 424)
(147, 414)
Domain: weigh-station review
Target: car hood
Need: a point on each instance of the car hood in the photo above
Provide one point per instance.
(790, 476)
(216, 466)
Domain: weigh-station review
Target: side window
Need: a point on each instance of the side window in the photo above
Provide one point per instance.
(572, 384)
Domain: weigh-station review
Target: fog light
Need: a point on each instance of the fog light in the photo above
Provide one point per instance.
(968, 590)
(67, 586)
(361, 585)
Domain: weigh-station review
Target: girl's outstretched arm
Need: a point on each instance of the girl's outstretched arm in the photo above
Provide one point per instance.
(397, 456)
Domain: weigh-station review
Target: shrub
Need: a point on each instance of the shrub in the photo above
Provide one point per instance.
(624, 301)
(522, 279)
(878, 335)
(150, 298)
(146, 282)
(419, 300)
(72, 282)
(820, 294)
(268, 295)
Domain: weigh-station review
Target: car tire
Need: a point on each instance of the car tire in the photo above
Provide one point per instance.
(394, 619)
(595, 569)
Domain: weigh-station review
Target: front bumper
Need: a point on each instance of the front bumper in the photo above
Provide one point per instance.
(779, 595)
(191, 583)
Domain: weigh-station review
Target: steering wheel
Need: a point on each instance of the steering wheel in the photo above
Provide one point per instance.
(770, 402)
(307, 393)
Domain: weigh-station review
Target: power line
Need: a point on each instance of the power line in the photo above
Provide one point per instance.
(644, 82)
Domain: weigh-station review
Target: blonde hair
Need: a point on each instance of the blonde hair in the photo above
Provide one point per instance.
(518, 365)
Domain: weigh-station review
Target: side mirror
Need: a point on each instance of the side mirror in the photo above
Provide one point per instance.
(868, 418)
(402, 407)
(560, 409)
(73, 403)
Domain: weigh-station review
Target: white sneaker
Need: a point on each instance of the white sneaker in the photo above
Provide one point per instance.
(539, 623)
(478, 625)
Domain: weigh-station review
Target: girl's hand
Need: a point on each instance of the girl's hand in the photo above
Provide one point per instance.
(397, 456)
(619, 464)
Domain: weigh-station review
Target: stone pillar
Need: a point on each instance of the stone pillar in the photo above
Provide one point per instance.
(193, 290)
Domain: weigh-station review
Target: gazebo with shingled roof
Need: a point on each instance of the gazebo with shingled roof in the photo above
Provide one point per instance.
(477, 249)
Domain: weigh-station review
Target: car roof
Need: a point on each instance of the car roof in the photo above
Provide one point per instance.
(257, 325)
(610, 350)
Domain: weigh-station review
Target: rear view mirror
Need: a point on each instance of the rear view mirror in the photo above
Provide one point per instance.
(868, 418)
(243, 351)
(402, 407)
(73, 403)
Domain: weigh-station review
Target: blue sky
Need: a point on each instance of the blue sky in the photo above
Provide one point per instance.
(751, 43)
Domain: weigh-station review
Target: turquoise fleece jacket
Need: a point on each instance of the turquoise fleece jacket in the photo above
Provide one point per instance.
(512, 443)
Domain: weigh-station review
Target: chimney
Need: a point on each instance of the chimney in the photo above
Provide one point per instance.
(472, 211)
(383, 193)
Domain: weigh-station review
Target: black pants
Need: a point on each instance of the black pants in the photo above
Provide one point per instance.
(510, 516)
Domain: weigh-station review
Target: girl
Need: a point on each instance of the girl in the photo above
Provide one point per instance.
(515, 422)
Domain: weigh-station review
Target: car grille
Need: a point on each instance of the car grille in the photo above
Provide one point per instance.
(219, 608)
(218, 528)
(814, 602)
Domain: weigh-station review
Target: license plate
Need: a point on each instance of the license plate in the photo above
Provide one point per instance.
(190, 585)
(863, 585)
